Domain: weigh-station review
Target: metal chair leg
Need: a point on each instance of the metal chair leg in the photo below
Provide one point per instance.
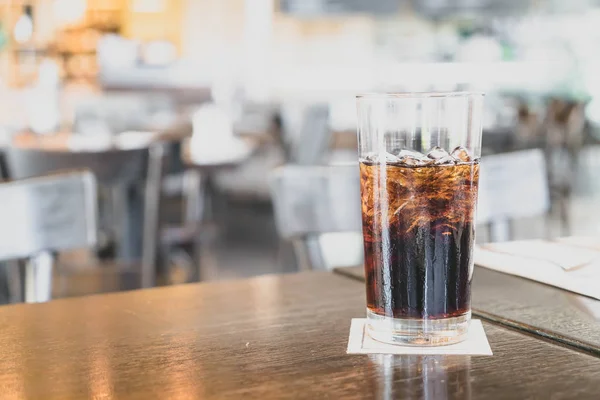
(118, 203)
(194, 202)
(15, 282)
(152, 216)
(195, 209)
(38, 278)
(309, 254)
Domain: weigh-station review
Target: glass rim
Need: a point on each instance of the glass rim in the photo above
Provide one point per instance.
(416, 95)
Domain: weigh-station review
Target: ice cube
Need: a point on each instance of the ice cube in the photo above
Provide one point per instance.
(412, 153)
(377, 158)
(440, 156)
(437, 153)
(413, 158)
(390, 158)
(461, 154)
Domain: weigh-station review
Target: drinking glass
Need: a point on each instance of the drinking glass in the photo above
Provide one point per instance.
(419, 169)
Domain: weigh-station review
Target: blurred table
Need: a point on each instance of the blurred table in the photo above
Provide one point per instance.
(69, 142)
(267, 337)
(545, 311)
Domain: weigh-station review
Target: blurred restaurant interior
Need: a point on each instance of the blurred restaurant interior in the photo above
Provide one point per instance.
(182, 110)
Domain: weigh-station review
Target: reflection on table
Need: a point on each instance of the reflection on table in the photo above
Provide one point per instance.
(266, 337)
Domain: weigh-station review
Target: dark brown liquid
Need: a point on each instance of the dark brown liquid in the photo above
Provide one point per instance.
(418, 232)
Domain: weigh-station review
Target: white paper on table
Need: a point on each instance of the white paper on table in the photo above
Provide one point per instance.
(588, 242)
(565, 255)
(583, 279)
(360, 342)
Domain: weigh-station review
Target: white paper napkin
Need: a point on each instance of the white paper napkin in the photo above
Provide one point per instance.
(567, 267)
(360, 342)
(588, 242)
(564, 255)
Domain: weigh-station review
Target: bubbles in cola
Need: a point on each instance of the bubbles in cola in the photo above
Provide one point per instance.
(418, 225)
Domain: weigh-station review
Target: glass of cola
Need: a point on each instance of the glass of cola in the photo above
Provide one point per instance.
(419, 170)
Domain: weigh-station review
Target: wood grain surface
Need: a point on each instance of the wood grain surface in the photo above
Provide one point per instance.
(262, 338)
(523, 304)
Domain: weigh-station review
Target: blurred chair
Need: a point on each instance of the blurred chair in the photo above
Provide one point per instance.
(312, 203)
(511, 186)
(117, 170)
(43, 215)
(528, 132)
(213, 148)
(564, 128)
(3, 167)
(306, 142)
(109, 166)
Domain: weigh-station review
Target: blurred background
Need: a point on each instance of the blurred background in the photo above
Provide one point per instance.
(183, 108)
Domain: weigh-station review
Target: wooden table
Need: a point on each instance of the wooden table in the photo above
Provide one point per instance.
(530, 306)
(68, 142)
(261, 338)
